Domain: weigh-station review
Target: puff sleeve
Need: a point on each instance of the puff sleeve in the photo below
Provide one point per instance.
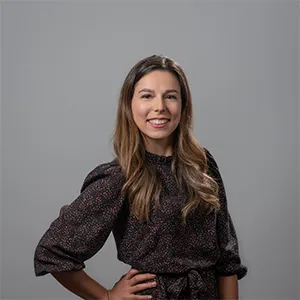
(82, 227)
(229, 262)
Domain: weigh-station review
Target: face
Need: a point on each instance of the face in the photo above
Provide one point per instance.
(156, 106)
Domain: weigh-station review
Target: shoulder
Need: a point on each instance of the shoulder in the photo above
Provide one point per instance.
(211, 162)
(213, 168)
(108, 174)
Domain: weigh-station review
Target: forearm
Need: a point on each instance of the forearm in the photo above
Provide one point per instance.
(82, 285)
(228, 287)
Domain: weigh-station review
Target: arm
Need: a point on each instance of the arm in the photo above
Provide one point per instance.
(229, 268)
(80, 231)
(228, 287)
(82, 285)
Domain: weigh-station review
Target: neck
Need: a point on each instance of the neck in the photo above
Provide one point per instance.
(159, 147)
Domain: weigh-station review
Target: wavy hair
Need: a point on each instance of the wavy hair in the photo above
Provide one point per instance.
(189, 161)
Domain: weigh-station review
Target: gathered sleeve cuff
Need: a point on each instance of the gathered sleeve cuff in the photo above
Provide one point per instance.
(82, 227)
(230, 262)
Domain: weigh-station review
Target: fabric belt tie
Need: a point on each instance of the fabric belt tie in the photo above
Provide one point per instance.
(190, 284)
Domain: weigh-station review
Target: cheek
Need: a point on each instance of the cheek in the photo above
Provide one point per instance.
(177, 112)
(140, 112)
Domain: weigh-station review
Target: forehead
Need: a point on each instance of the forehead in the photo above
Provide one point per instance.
(159, 80)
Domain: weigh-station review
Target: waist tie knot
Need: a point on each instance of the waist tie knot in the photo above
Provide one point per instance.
(190, 284)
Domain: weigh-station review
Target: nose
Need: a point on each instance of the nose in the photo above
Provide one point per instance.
(159, 104)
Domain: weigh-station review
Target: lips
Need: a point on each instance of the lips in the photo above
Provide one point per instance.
(158, 121)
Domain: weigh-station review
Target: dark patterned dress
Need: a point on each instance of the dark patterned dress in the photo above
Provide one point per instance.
(186, 259)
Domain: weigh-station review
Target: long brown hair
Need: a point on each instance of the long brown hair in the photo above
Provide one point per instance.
(189, 162)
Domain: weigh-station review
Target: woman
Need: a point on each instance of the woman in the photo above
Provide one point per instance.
(163, 198)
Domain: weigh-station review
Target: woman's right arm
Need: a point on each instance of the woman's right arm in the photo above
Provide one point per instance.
(80, 231)
(82, 227)
(81, 284)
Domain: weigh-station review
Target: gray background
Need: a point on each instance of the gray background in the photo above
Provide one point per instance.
(63, 65)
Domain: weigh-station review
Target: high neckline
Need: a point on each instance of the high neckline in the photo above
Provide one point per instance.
(155, 158)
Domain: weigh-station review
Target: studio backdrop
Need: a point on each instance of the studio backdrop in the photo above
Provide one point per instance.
(62, 66)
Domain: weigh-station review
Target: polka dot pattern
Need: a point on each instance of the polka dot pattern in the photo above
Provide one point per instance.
(186, 259)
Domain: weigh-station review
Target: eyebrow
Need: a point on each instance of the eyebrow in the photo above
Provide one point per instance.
(166, 92)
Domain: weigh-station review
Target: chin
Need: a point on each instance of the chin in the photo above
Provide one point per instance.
(158, 136)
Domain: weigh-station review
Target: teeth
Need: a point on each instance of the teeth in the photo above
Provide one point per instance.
(155, 121)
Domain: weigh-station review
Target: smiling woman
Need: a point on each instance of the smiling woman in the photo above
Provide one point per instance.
(162, 196)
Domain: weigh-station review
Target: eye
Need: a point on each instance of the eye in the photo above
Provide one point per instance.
(171, 97)
(146, 96)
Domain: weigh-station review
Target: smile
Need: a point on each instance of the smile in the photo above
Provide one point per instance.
(158, 121)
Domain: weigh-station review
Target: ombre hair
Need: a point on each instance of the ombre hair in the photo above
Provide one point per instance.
(189, 161)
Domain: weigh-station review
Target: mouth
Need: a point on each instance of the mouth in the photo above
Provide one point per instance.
(158, 121)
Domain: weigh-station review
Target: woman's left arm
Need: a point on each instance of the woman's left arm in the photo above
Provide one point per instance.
(229, 268)
(228, 287)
